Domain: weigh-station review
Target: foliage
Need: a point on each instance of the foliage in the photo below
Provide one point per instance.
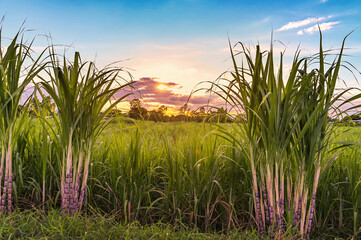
(133, 164)
(15, 75)
(262, 170)
(286, 134)
(80, 93)
(137, 111)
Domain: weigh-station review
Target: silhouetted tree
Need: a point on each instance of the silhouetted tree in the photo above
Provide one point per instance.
(183, 112)
(137, 111)
(159, 114)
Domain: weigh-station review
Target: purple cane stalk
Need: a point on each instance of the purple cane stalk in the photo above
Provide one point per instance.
(71, 192)
(77, 187)
(282, 210)
(9, 194)
(258, 209)
(66, 194)
(294, 220)
(265, 198)
(312, 210)
(279, 216)
(81, 199)
(299, 209)
(4, 193)
(271, 215)
(1, 176)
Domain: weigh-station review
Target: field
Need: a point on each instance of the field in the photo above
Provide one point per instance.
(180, 174)
(272, 162)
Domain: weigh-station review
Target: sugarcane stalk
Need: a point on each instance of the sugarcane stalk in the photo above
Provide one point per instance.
(10, 185)
(66, 193)
(299, 209)
(282, 197)
(43, 197)
(270, 192)
(310, 215)
(1, 175)
(303, 216)
(62, 185)
(71, 192)
(85, 178)
(314, 191)
(277, 193)
(289, 193)
(265, 199)
(265, 213)
(77, 177)
(295, 205)
(255, 191)
(300, 198)
(9, 166)
(3, 199)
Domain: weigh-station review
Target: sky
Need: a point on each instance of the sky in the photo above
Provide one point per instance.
(172, 47)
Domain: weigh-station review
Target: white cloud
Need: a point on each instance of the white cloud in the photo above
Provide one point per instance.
(323, 1)
(301, 23)
(300, 32)
(322, 26)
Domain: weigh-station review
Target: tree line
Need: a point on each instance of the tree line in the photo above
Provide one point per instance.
(139, 112)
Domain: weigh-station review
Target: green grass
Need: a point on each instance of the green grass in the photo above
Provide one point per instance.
(178, 174)
(283, 171)
(32, 225)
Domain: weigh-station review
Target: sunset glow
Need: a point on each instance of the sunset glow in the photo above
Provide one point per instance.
(180, 119)
(170, 47)
(162, 87)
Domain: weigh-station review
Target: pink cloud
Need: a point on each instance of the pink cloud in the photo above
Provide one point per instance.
(147, 89)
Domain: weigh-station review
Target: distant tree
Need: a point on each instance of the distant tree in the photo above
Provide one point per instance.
(183, 112)
(198, 115)
(202, 111)
(159, 114)
(114, 113)
(161, 111)
(137, 111)
(153, 116)
(184, 109)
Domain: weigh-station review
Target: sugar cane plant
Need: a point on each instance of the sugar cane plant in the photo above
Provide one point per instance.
(286, 133)
(17, 70)
(82, 96)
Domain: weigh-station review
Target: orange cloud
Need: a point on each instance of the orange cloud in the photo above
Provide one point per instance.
(155, 93)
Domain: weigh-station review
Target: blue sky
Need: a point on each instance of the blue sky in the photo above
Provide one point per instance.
(186, 41)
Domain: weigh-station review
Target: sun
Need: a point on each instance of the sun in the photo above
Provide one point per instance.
(162, 87)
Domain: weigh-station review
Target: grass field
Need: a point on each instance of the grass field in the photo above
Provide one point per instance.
(276, 169)
(31, 225)
(178, 174)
